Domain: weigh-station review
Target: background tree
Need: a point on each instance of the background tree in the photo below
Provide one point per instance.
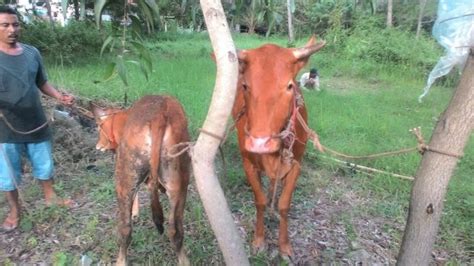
(420, 17)
(389, 13)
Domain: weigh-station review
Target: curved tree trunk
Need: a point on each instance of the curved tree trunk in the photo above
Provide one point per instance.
(451, 135)
(205, 150)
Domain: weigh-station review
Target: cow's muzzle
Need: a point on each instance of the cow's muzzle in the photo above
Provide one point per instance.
(262, 144)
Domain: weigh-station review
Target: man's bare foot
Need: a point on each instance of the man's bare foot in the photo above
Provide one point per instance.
(68, 203)
(10, 223)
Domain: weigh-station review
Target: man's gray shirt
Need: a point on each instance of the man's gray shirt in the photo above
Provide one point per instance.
(20, 103)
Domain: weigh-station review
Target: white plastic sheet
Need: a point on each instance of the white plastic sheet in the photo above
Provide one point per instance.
(454, 30)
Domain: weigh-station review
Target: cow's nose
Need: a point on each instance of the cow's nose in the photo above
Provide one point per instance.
(262, 144)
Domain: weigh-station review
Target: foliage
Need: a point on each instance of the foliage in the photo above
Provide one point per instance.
(64, 44)
(389, 46)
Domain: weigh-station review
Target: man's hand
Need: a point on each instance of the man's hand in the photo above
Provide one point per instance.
(66, 99)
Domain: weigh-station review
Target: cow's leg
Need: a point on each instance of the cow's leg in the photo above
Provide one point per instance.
(128, 177)
(289, 184)
(177, 179)
(125, 197)
(135, 208)
(156, 209)
(260, 201)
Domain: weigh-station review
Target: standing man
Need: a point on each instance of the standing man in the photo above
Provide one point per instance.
(310, 80)
(23, 125)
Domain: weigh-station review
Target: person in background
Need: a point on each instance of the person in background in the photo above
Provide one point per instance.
(310, 80)
(24, 128)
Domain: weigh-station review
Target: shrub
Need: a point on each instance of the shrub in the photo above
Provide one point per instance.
(79, 39)
(369, 40)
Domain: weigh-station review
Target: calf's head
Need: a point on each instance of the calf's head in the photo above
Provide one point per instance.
(110, 123)
(268, 87)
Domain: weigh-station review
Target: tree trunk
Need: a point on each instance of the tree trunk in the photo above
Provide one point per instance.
(420, 18)
(76, 9)
(389, 14)
(451, 135)
(82, 14)
(291, 38)
(206, 147)
(50, 15)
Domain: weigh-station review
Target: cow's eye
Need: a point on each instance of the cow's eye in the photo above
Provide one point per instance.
(290, 87)
(245, 87)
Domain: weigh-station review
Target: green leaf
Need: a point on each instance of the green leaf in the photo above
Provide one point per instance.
(106, 43)
(144, 54)
(152, 4)
(141, 66)
(109, 71)
(121, 69)
(98, 6)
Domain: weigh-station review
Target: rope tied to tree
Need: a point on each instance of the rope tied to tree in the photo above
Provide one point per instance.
(175, 151)
(421, 146)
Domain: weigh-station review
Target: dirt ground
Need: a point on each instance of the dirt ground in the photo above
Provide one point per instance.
(318, 233)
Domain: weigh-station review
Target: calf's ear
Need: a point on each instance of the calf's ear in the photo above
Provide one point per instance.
(96, 110)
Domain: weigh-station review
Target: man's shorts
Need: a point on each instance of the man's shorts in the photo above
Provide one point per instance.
(38, 153)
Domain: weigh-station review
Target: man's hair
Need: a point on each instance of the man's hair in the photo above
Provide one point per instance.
(313, 71)
(4, 9)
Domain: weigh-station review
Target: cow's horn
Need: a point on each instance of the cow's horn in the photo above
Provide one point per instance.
(308, 50)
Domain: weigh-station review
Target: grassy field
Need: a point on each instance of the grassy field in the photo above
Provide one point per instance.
(363, 108)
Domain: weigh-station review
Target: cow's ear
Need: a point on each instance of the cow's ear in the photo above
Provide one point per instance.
(96, 110)
(243, 56)
(213, 57)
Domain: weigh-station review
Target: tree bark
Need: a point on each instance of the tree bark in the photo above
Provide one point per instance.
(291, 38)
(420, 18)
(206, 146)
(451, 135)
(389, 13)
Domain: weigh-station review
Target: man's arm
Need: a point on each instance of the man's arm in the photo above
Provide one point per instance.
(49, 90)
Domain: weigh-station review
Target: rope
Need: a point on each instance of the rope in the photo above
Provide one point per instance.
(212, 134)
(171, 153)
(22, 132)
(421, 147)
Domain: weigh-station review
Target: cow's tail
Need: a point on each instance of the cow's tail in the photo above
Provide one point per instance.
(157, 133)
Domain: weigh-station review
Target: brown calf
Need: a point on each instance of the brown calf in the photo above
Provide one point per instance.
(141, 137)
(271, 138)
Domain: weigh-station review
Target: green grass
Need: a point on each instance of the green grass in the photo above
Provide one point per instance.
(363, 108)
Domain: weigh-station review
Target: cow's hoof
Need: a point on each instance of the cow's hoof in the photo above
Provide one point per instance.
(160, 228)
(259, 246)
(286, 252)
(183, 259)
(287, 259)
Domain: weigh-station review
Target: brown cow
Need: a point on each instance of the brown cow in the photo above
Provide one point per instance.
(271, 138)
(141, 136)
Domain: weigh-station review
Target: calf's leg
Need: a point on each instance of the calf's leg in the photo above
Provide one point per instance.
(177, 179)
